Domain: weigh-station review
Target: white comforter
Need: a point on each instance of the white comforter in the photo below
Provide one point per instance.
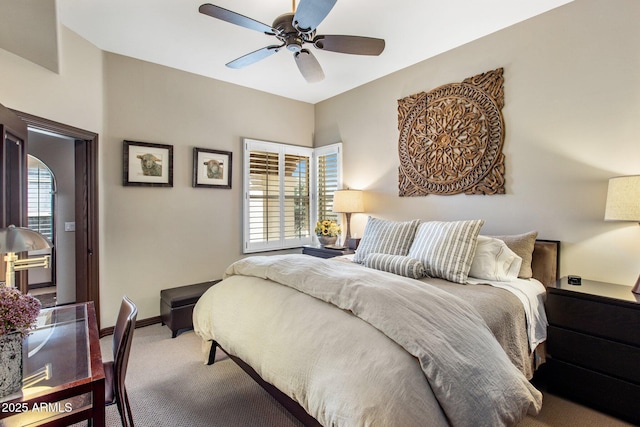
(357, 366)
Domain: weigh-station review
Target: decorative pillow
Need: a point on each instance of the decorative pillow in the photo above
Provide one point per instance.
(522, 245)
(386, 237)
(396, 264)
(446, 249)
(494, 260)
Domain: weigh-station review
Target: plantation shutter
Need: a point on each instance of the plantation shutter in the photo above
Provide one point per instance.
(296, 196)
(264, 197)
(40, 192)
(329, 179)
(277, 205)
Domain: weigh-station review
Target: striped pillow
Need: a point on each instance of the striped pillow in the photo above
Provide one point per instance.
(386, 237)
(446, 249)
(396, 264)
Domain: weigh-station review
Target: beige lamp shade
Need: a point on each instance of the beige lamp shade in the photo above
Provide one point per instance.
(348, 201)
(623, 199)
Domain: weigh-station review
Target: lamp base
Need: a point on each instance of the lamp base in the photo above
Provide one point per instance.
(636, 288)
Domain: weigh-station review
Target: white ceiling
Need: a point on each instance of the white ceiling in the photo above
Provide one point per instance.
(173, 33)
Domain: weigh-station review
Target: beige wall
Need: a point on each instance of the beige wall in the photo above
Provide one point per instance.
(572, 114)
(157, 238)
(74, 96)
(29, 28)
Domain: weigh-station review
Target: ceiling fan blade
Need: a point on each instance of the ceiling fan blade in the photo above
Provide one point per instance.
(355, 45)
(235, 18)
(253, 57)
(310, 13)
(309, 66)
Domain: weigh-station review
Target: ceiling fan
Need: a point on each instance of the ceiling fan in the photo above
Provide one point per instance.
(295, 29)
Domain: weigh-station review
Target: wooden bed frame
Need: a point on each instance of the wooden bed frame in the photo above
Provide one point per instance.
(546, 268)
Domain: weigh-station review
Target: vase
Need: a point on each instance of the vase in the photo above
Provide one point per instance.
(327, 240)
(10, 363)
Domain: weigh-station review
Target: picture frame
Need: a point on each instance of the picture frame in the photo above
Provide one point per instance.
(212, 168)
(147, 164)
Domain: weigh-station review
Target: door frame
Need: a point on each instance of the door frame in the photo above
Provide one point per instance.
(13, 203)
(13, 177)
(86, 205)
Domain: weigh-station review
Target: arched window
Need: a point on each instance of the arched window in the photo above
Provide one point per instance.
(40, 201)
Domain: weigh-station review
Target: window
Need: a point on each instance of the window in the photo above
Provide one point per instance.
(279, 180)
(329, 179)
(40, 192)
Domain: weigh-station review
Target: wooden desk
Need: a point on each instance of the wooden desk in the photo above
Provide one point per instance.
(63, 376)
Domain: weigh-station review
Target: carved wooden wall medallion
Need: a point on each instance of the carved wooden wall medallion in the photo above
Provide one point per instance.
(451, 138)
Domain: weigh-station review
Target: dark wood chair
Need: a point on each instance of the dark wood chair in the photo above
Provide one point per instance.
(115, 372)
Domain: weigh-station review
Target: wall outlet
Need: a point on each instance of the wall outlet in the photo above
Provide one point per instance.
(69, 226)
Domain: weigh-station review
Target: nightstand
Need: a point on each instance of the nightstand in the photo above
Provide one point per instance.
(593, 345)
(324, 252)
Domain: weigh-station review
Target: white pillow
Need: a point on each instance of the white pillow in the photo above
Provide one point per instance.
(446, 248)
(494, 260)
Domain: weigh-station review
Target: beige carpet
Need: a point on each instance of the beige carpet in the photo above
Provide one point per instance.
(170, 386)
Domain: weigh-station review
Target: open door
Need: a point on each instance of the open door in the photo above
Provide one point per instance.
(13, 177)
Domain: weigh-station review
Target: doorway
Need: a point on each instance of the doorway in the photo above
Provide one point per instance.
(51, 212)
(85, 206)
(41, 215)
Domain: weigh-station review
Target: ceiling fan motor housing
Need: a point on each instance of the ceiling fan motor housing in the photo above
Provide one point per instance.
(290, 35)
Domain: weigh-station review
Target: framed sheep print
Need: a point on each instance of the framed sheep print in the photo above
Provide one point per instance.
(147, 164)
(211, 168)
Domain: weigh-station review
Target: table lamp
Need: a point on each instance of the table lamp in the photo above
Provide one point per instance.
(623, 204)
(17, 239)
(348, 202)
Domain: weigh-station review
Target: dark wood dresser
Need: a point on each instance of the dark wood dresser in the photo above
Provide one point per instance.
(593, 345)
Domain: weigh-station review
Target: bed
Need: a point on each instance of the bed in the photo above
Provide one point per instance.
(341, 343)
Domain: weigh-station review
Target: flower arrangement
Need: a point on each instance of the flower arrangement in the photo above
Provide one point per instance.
(18, 311)
(327, 227)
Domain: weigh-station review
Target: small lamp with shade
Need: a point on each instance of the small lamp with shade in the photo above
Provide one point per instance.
(14, 240)
(348, 202)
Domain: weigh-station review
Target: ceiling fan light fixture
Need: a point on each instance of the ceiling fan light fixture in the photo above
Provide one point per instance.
(294, 46)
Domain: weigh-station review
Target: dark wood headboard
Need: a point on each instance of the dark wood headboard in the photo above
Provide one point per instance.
(545, 262)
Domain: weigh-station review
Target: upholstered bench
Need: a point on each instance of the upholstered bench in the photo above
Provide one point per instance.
(176, 305)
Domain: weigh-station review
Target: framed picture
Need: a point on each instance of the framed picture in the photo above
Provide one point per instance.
(147, 164)
(211, 168)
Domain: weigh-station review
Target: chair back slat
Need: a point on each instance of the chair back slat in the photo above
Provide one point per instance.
(122, 339)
